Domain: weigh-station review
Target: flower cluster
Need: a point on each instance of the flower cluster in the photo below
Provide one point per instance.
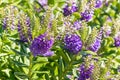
(69, 10)
(42, 45)
(87, 14)
(85, 73)
(73, 43)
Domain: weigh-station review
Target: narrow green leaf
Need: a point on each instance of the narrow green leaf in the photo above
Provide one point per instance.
(20, 75)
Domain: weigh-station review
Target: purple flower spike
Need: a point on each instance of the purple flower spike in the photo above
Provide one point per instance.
(87, 15)
(41, 46)
(95, 46)
(98, 3)
(117, 40)
(29, 32)
(73, 43)
(21, 33)
(85, 73)
(25, 32)
(66, 11)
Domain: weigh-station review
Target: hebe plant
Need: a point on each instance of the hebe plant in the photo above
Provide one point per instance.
(60, 40)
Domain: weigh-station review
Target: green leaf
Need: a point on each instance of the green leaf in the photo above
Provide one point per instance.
(92, 36)
(51, 2)
(7, 72)
(63, 53)
(20, 75)
(118, 58)
(47, 77)
(37, 66)
(41, 72)
(3, 54)
(20, 64)
(76, 15)
(60, 66)
(20, 53)
(84, 32)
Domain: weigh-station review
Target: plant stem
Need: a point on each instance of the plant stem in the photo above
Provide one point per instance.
(68, 67)
(30, 67)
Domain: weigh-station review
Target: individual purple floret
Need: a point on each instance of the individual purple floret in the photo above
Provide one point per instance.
(66, 11)
(95, 46)
(74, 8)
(98, 3)
(42, 45)
(87, 15)
(117, 40)
(21, 33)
(77, 25)
(85, 73)
(73, 43)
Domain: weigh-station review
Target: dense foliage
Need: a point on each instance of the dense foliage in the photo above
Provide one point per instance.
(59, 39)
